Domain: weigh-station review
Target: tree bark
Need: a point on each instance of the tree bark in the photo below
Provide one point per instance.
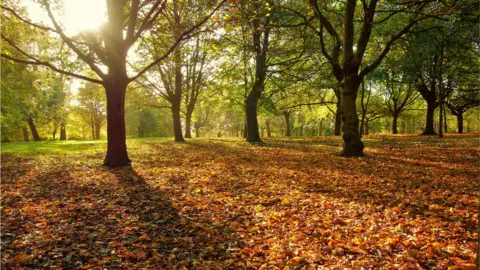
(253, 134)
(429, 125)
(394, 124)
(445, 118)
(338, 116)
(116, 136)
(177, 98)
(188, 122)
(177, 123)
(33, 129)
(320, 127)
(92, 125)
(269, 130)
(63, 132)
(460, 123)
(141, 132)
(440, 122)
(97, 130)
(286, 115)
(25, 135)
(352, 144)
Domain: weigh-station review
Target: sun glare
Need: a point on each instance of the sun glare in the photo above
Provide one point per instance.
(78, 15)
(84, 15)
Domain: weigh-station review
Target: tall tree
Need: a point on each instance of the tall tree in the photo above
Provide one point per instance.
(462, 101)
(127, 21)
(347, 57)
(399, 95)
(91, 107)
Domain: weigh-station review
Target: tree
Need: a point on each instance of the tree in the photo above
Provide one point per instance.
(338, 39)
(127, 22)
(460, 102)
(91, 104)
(399, 95)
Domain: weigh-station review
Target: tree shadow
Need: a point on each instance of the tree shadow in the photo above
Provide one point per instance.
(119, 222)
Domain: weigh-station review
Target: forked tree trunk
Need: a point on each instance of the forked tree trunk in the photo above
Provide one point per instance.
(63, 132)
(352, 144)
(394, 124)
(116, 137)
(25, 135)
(460, 122)
(33, 129)
(429, 125)
(288, 131)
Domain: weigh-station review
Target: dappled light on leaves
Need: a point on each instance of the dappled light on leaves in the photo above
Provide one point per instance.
(224, 204)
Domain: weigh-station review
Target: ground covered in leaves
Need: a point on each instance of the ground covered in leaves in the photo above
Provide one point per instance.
(411, 203)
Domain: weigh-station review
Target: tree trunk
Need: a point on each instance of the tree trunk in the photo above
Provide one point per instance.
(54, 134)
(440, 122)
(177, 123)
(141, 132)
(445, 118)
(93, 129)
(33, 129)
(177, 98)
(352, 144)
(97, 131)
(320, 127)
(394, 124)
(460, 122)
(286, 115)
(338, 117)
(63, 132)
(197, 132)
(25, 135)
(188, 122)
(116, 137)
(244, 130)
(429, 126)
(253, 134)
(269, 130)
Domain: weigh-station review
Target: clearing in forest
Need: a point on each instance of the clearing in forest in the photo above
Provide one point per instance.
(411, 202)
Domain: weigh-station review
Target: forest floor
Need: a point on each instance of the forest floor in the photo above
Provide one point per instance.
(410, 203)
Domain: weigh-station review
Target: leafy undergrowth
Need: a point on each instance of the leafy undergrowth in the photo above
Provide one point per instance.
(411, 203)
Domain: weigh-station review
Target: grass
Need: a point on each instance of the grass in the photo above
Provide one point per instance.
(221, 203)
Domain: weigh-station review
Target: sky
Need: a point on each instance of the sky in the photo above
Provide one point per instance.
(78, 16)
